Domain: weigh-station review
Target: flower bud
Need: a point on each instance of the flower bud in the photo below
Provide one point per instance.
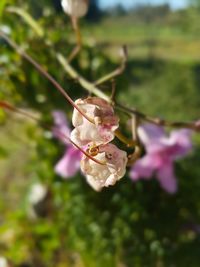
(75, 8)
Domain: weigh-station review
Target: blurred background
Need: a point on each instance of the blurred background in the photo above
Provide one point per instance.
(48, 221)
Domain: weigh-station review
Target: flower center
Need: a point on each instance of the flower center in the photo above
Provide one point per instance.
(93, 150)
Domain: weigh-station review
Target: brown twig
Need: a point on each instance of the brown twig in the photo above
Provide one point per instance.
(160, 122)
(118, 71)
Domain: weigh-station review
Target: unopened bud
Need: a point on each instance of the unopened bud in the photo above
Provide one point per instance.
(75, 8)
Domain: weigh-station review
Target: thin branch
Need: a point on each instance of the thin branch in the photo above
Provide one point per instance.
(116, 72)
(161, 122)
(134, 126)
(90, 87)
(138, 149)
(10, 107)
(41, 70)
(135, 156)
(129, 142)
(77, 48)
(113, 92)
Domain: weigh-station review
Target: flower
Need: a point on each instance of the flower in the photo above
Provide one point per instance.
(69, 164)
(102, 131)
(99, 176)
(75, 8)
(61, 126)
(94, 138)
(161, 152)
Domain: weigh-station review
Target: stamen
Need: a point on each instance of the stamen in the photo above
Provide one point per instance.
(93, 150)
(10, 107)
(88, 155)
(44, 73)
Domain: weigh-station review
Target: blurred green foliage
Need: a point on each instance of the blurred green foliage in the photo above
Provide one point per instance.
(129, 224)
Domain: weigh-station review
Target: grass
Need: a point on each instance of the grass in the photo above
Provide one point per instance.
(17, 149)
(162, 41)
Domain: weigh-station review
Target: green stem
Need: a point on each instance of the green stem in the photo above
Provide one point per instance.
(124, 139)
(82, 81)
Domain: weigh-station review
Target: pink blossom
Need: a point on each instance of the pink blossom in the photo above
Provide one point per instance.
(69, 164)
(102, 131)
(61, 127)
(99, 176)
(161, 152)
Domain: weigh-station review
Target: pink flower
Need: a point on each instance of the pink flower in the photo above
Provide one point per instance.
(161, 152)
(99, 176)
(61, 126)
(102, 131)
(69, 164)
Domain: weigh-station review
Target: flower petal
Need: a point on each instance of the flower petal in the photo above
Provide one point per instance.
(149, 132)
(69, 163)
(75, 8)
(167, 179)
(99, 176)
(104, 126)
(61, 126)
(181, 143)
(143, 168)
